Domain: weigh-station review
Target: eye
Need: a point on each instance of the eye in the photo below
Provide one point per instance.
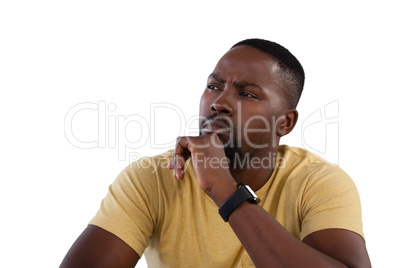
(246, 94)
(213, 87)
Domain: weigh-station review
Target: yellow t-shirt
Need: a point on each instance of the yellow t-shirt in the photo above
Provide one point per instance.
(178, 225)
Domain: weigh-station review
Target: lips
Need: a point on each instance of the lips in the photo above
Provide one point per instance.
(214, 126)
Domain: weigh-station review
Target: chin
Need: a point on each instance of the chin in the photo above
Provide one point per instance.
(233, 153)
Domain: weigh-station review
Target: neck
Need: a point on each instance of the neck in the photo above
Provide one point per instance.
(254, 170)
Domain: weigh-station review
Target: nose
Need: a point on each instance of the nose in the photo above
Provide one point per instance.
(222, 105)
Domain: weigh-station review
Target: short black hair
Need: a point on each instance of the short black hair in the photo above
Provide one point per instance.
(292, 70)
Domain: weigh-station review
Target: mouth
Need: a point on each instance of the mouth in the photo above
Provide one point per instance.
(214, 126)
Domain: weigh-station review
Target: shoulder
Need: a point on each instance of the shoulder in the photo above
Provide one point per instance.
(296, 155)
(148, 169)
(150, 164)
(328, 196)
(315, 178)
(141, 178)
(294, 161)
(152, 175)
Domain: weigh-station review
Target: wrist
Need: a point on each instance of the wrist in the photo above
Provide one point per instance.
(221, 192)
(244, 193)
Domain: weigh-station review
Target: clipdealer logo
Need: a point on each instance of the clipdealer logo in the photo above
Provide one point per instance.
(319, 130)
(113, 130)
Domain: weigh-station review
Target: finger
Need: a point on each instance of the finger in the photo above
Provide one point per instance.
(171, 164)
(181, 154)
(179, 167)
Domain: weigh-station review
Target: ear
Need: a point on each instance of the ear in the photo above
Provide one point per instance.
(287, 123)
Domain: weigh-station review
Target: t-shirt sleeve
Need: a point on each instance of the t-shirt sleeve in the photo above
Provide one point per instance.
(330, 201)
(129, 210)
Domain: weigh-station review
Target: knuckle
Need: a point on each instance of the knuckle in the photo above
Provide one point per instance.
(178, 139)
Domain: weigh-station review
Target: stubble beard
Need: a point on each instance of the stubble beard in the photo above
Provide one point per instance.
(232, 147)
(232, 150)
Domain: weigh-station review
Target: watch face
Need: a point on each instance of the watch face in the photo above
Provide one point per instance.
(255, 197)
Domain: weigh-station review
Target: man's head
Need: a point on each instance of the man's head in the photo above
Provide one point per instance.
(292, 70)
(251, 96)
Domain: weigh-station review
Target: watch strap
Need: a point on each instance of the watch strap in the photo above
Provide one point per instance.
(236, 199)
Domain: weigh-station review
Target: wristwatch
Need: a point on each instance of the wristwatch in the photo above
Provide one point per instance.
(243, 193)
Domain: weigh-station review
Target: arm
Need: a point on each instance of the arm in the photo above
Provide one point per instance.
(261, 235)
(96, 247)
(125, 219)
(326, 248)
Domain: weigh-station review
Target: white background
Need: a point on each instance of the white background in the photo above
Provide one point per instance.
(57, 54)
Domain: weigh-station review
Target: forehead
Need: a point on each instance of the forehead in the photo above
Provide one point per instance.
(249, 64)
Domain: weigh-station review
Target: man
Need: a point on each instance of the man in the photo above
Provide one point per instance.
(309, 211)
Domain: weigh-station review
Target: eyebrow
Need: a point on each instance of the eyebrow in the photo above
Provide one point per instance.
(239, 84)
(217, 78)
(247, 84)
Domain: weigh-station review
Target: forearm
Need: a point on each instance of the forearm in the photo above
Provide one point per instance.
(269, 244)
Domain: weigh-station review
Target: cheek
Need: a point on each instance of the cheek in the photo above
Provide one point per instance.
(257, 129)
(205, 104)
